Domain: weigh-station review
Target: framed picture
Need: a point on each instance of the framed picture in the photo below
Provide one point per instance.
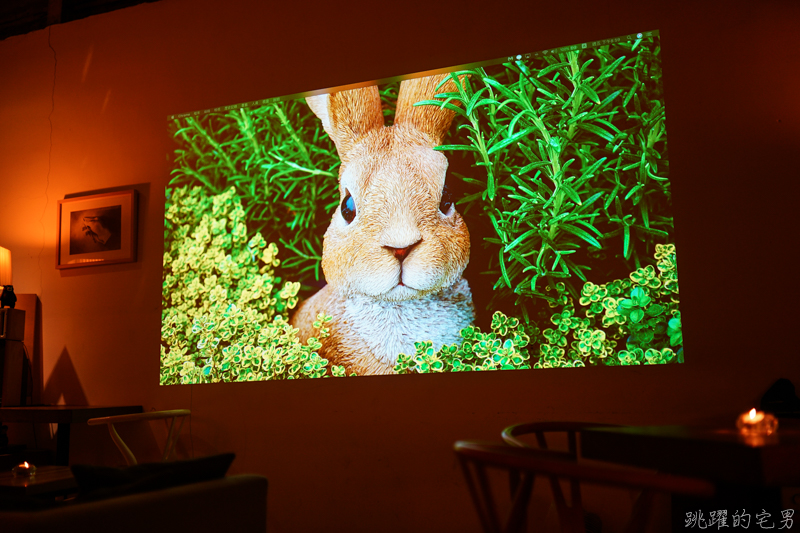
(96, 230)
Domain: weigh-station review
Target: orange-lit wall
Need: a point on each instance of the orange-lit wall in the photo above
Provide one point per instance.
(373, 454)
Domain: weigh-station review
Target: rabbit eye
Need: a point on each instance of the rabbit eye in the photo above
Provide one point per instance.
(447, 200)
(348, 207)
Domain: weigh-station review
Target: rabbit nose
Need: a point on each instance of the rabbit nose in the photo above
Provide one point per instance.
(402, 253)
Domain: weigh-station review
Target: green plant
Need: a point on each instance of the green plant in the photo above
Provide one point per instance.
(570, 173)
(225, 312)
(628, 321)
(503, 348)
(280, 162)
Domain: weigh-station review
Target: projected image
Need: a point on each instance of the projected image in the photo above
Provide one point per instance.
(514, 214)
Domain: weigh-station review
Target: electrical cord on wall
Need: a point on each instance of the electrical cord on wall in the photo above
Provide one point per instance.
(49, 160)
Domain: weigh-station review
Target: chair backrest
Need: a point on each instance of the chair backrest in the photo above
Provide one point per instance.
(511, 435)
(476, 458)
(172, 437)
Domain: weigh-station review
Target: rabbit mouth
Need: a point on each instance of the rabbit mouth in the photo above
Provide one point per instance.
(400, 284)
(401, 291)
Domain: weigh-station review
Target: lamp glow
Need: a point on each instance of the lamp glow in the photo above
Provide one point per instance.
(7, 296)
(5, 266)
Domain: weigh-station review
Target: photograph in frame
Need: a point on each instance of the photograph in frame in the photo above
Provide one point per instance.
(98, 229)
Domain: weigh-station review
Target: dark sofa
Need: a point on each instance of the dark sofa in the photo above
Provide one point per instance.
(236, 504)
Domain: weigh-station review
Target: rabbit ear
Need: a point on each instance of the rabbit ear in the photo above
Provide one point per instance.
(348, 115)
(431, 120)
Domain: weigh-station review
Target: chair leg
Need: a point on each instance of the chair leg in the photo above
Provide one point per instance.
(478, 489)
(126, 452)
(518, 517)
(641, 512)
(172, 438)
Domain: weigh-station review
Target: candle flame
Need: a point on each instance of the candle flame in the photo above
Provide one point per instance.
(26, 465)
(753, 413)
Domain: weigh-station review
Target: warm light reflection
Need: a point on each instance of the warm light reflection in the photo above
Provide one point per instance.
(756, 422)
(24, 469)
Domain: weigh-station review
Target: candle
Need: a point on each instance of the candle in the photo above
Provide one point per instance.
(756, 423)
(25, 469)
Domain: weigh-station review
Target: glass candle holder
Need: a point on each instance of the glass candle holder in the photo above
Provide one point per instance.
(25, 469)
(756, 423)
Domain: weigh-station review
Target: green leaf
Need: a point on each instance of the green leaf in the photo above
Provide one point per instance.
(533, 166)
(589, 201)
(611, 197)
(626, 246)
(550, 68)
(590, 93)
(630, 94)
(462, 147)
(505, 142)
(634, 190)
(480, 103)
(505, 91)
(446, 105)
(580, 233)
(651, 231)
(503, 270)
(570, 192)
(597, 131)
(609, 70)
(521, 238)
(589, 227)
(589, 172)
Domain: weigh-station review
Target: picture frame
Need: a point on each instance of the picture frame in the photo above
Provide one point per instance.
(98, 229)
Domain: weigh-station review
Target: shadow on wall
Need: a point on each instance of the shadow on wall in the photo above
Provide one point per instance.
(64, 384)
(144, 438)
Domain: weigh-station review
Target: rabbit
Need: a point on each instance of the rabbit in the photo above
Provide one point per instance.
(396, 248)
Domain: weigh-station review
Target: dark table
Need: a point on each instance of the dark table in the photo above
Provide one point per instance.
(716, 454)
(48, 480)
(748, 472)
(64, 416)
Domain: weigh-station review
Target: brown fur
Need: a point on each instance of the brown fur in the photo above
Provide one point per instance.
(380, 305)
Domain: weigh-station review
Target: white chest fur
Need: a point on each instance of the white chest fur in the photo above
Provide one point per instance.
(387, 329)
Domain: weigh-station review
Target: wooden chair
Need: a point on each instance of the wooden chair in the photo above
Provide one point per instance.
(512, 435)
(172, 437)
(476, 458)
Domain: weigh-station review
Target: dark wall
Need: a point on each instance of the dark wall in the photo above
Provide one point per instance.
(373, 454)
